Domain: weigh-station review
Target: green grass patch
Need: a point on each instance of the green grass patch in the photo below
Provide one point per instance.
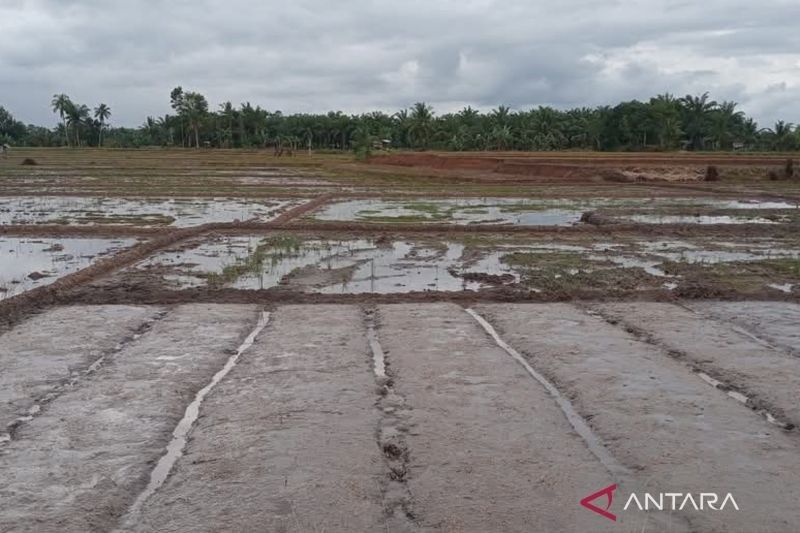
(741, 276)
(550, 260)
(423, 207)
(270, 251)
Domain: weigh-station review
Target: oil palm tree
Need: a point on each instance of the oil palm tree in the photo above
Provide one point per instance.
(697, 117)
(421, 129)
(725, 120)
(102, 113)
(500, 116)
(402, 121)
(781, 136)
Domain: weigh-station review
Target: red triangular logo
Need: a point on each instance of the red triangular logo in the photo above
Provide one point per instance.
(608, 492)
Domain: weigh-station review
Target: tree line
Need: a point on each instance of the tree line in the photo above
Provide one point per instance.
(665, 122)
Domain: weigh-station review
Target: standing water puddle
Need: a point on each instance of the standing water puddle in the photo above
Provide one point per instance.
(176, 446)
(360, 266)
(534, 212)
(402, 267)
(349, 266)
(26, 263)
(699, 219)
(456, 211)
(378, 357)
(181, 212)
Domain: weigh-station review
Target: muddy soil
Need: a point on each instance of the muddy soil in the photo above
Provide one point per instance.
(658, 418)
(287, 441)
(489, 450)
(79, 464)
(48, 354)
(769, 377)
(406, 417)
(543, 167)
(777, 323)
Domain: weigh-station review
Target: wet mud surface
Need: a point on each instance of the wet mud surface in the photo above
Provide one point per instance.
(298, 410)
(558, 212)
(144, 212)
(774, 323)
(49, 354)
(520, 267)
(658, 418)
(412, 417)
(30, 262)
(769, 377)
(217, 340)
(78, 465)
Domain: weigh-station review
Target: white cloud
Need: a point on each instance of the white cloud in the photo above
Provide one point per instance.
(313, 55)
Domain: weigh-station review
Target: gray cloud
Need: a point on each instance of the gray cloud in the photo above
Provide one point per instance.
(314, 55)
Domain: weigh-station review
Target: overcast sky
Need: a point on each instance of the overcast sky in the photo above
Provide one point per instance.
(359, 55)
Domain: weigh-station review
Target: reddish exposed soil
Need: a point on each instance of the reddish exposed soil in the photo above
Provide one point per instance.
(576, 167)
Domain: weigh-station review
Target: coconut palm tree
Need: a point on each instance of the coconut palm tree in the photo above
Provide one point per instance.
(77, 115)
(102, 113)
(227, 111)
(194, 107)
(61, 103)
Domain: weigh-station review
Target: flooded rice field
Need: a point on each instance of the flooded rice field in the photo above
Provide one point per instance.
(26, 263)
(454, 211)
(436, 375)
(353, 266)
(176, 212)
(554, 212)
(396, 266)
(703, 219)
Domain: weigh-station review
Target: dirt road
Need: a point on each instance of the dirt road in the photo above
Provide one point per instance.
(402, 418)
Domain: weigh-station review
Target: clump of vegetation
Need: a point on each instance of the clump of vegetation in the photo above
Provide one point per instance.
(571, 273)
(712, 174)
(403, 219)
(362, 142)
(155, 219)
(740, 276)
(522, 207)
(554, 260)
(28, 161)
(428, 212)
(424, 207)
(269, 251)
(772, 175)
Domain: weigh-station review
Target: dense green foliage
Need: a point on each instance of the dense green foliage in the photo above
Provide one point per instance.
(663, 123)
